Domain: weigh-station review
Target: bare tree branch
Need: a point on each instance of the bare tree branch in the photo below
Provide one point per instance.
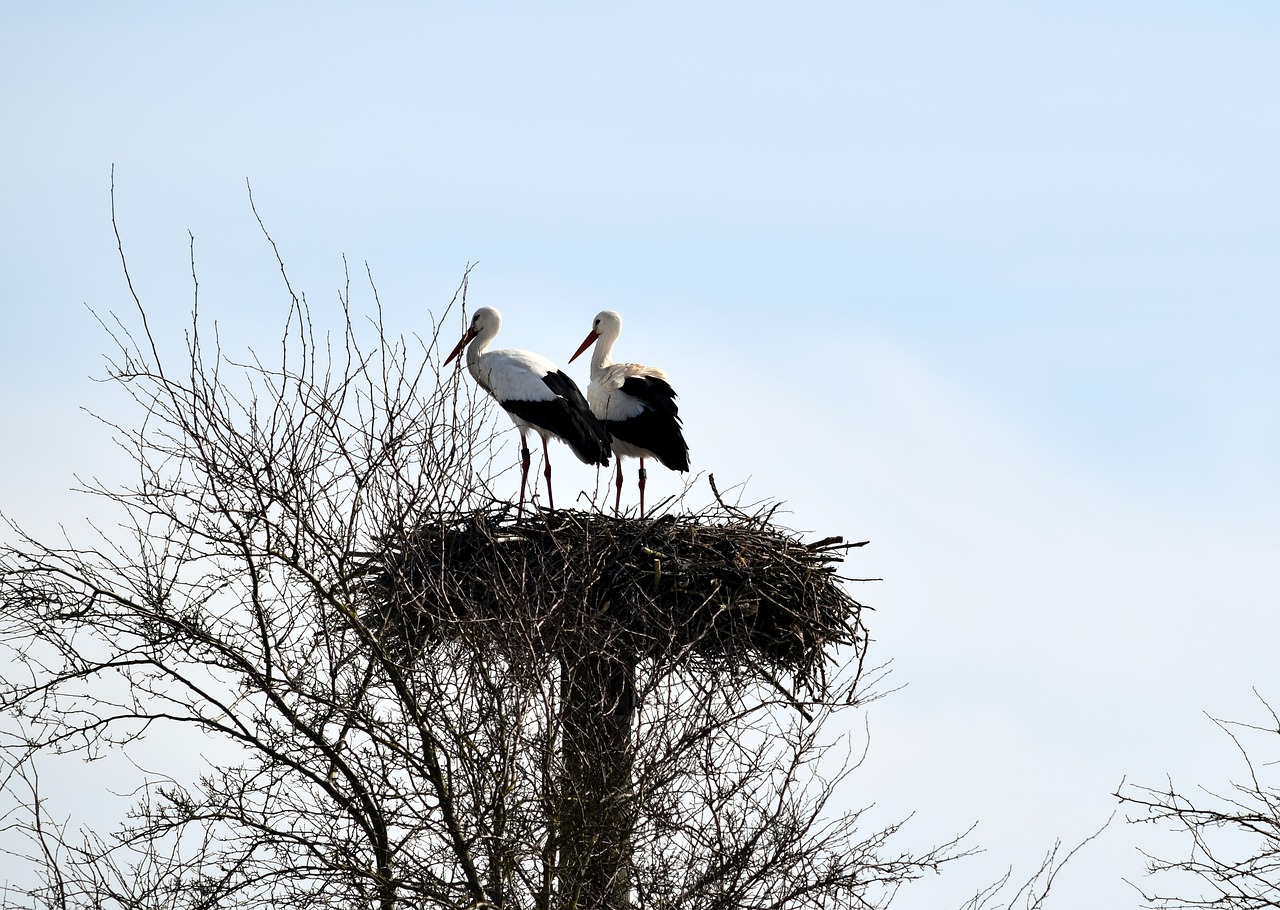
(1232, 858)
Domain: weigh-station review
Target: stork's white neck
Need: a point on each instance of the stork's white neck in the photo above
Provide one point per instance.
(602, 353)
(479, 345)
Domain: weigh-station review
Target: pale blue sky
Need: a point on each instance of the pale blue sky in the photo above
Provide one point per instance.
(993, 284)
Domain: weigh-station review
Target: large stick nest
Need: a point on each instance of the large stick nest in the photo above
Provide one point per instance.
(719, 586)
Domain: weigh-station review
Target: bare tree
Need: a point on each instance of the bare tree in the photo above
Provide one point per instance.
(1232, 855)
(578, 711)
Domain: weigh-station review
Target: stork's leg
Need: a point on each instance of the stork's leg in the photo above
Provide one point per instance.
(617, 500)
(546, 460)
(643, 475)
(524, 468)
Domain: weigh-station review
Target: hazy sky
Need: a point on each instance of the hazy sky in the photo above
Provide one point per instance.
(992, 284)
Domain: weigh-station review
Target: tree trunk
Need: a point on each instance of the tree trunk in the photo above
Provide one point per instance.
(596, 815)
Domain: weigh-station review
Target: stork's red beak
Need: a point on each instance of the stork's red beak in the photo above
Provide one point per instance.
(471, 333)
(586, 343)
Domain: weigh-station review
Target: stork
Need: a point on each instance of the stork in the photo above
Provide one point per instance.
(636, 404)
(535, 394)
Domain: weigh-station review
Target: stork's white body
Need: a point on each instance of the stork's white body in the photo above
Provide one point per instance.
(536, 395)
(610, 403)
(510, 375)
(636, 404)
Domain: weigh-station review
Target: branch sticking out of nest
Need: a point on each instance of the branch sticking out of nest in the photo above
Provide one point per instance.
(717, 586)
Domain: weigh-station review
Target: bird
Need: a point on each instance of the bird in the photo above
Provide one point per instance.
(636, 404)
(535, 394)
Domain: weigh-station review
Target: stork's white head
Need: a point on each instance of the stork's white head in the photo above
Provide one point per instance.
(607, 325)
(485, 323)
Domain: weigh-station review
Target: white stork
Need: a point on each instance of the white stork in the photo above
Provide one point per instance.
(636, 404)
(536, 395)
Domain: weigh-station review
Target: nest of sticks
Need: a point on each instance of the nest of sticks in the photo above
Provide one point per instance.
(721, 586)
